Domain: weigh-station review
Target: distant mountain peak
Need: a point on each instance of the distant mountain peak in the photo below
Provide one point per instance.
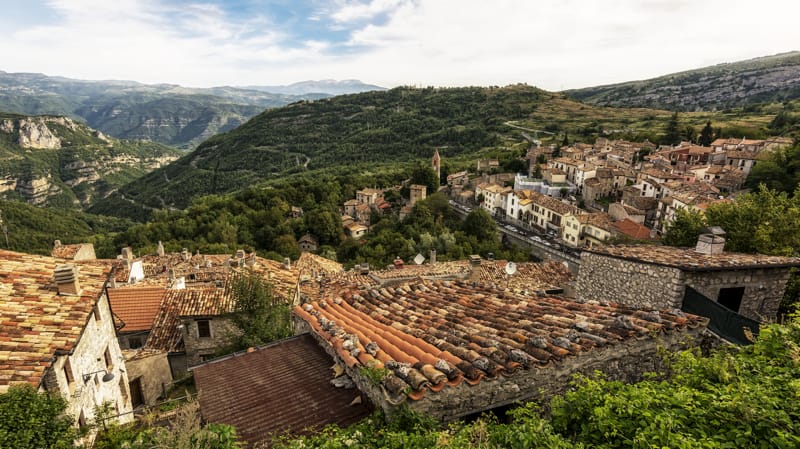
(325, 86)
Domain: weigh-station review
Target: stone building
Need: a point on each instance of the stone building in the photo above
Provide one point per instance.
(656, 277)
(453, 349)
(58, 333)
(149, 375)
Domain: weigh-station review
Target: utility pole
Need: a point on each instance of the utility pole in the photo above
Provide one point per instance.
(4, 228)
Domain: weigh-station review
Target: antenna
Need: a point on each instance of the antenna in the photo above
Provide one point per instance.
(418, 259)
(4, 228)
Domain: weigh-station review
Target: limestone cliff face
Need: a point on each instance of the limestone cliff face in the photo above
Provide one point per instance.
(33, 132)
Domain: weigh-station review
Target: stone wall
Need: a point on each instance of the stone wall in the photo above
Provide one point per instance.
(222, 332)
(88, 358)
(639, 285)
(153, 372)
(763, 289)
(626, 362)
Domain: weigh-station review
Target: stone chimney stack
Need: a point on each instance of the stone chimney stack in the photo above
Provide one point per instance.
(287, 263)
(66, 277)
(251, 260)
(127, 253)
(56, 243)
(711, 241)
(160, 249)
(433, 256)
(185, 254)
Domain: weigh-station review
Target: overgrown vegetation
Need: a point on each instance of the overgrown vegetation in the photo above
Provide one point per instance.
(33, 229)
(259, 315)
(765, 221)
(736, 397)
(33, 420)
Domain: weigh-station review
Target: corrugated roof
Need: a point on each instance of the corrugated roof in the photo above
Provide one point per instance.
(437, 334)
(35, 321)
(281, 388)
(136, 308)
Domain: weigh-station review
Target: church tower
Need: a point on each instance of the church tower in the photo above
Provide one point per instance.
(437, 166)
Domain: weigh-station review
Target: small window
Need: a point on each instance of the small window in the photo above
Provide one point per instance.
(204, 329)
(108, 359)
(68, 372)
(135, 342)
(96, 311)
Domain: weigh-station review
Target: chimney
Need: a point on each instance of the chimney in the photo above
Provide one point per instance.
(171, 274)
(57, 243)
(66, 276)
(240, 254)
(432, 259)
(160, 249)
(711, 241)
(251, 260)
(287, 263)
(185, 254)
(127, 253)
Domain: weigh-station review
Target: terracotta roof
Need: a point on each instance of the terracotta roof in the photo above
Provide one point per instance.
(282, 279)
(280, 388)
(66, 251)
(313, 263)
(632, 229)
(553, 204)
(433, 335)
(597, 219)
(690, 260)
(35, 321)
(136, 308)
(529, 277)
(459, 268)
(165, 335)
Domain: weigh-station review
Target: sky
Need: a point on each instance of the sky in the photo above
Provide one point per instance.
(552, 44)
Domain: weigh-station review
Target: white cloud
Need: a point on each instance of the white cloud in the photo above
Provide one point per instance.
(554, 44)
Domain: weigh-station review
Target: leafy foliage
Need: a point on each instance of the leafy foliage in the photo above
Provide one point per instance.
(32, 229)
(32, 420)
(685, 228)
(260, 316)
(780, 172)
(735, 397)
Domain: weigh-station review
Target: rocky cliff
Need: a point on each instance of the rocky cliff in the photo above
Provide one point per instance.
(57, 161)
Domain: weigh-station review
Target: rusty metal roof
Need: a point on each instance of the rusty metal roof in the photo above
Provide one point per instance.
(280, 388)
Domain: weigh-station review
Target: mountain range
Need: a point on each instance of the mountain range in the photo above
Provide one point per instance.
(170, 114)
(767, 79)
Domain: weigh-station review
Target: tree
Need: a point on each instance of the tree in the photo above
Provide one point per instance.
(29, 419)
(689, 133)
(672, 134)
(425, 176)
(480, 225)
(259, 315)
(684, 229)
(565, 142)
(706, 135)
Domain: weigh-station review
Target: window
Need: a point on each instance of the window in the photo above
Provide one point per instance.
(135, 342)
(108, 359)
(731, 297)
(204, 329)
(68, 372)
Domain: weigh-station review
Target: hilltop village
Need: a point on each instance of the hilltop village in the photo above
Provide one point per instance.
(448, 339)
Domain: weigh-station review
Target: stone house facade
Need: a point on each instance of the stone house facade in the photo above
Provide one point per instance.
(655, 277)
(58, 334)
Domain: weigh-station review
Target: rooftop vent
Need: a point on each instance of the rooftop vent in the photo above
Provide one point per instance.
(66, 277)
